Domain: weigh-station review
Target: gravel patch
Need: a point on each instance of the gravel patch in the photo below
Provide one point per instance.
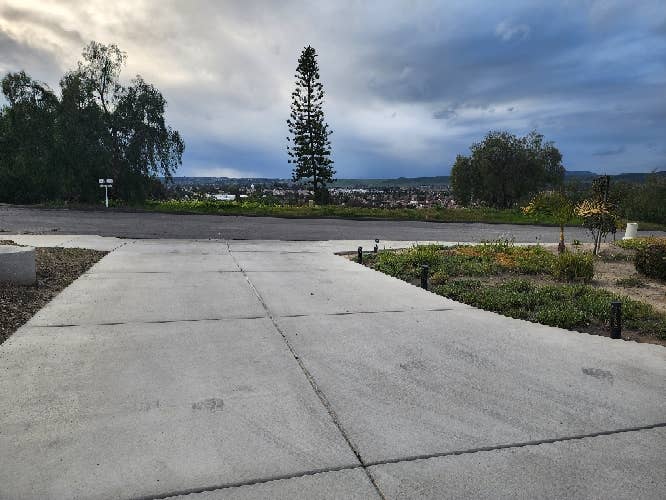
(56, 269)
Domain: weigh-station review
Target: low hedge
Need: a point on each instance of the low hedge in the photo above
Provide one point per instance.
(574, 266)
(650, 260)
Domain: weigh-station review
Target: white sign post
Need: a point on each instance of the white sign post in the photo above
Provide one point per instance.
(106, 184)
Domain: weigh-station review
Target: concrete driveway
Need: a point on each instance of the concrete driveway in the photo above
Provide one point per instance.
(249, 369)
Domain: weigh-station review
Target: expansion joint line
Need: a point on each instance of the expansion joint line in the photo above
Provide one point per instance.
(313, 472)
(313, 383)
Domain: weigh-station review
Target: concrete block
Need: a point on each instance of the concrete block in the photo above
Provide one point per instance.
(17, 265)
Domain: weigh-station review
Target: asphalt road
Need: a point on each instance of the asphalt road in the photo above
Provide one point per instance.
(159, 225)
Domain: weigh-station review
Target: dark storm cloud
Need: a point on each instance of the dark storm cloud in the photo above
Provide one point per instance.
(609, 152)
(16, 56)
(409, 85)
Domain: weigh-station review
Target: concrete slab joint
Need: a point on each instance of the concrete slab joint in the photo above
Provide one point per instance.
(17, 265)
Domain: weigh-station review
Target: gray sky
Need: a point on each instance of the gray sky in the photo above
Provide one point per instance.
(409, 84)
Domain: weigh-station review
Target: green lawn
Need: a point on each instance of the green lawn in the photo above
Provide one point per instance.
(428, 214)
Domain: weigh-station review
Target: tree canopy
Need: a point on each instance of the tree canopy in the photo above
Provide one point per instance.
(504, 169)
(309, 146)
(56, 147)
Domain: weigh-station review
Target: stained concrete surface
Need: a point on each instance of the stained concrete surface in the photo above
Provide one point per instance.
(414, 383)
(352, 290)
(125, 411)
(100, 298)
(301, 372)
(623, 466)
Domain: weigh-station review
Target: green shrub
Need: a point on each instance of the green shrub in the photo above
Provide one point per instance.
(640, 242)
(576, 266)
(393, 264)
(566, 306)
(533, 260)
(651, 260)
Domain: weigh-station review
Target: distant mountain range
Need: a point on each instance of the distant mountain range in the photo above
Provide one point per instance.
(405, 182)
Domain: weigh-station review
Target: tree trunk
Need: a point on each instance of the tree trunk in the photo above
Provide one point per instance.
(597, 242)
(561, 247)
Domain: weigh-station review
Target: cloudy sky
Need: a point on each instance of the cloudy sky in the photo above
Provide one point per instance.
(409, 84)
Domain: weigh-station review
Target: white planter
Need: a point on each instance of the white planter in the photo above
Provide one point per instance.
(631, 232)
(17, 265)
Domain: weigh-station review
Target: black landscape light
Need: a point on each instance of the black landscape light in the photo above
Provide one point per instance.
(425, 270)
(360, 255)
(376, 249)
(616, 320)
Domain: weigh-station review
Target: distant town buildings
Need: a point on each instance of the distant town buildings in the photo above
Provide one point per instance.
(285, 192)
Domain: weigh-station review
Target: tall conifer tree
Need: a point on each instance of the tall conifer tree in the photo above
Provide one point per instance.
(309, 146)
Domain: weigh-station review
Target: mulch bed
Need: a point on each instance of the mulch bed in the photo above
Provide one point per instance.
(56, 269)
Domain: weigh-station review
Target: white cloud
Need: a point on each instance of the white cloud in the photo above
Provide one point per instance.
(508, 31)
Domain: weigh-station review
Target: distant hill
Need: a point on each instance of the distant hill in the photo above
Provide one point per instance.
(227, 181)
(404, 182)
(586, 176)
(580, 173)
(442, 180)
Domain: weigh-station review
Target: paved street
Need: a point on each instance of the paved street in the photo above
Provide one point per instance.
(156, 225)
(277, 369)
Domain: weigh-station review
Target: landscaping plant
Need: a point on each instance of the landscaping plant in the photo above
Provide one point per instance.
(650, 260)
(574, 266)
(597, 212)
(555, 204)
(513, 280)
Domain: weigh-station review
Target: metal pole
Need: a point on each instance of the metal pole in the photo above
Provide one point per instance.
(424, 276)
(616, 320)
(360, 255)
(106, 195)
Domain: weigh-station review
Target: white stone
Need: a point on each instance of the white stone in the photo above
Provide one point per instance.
(632, 231)
(17, 265)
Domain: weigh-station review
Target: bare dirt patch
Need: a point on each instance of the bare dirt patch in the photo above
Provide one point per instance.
(56, 269)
